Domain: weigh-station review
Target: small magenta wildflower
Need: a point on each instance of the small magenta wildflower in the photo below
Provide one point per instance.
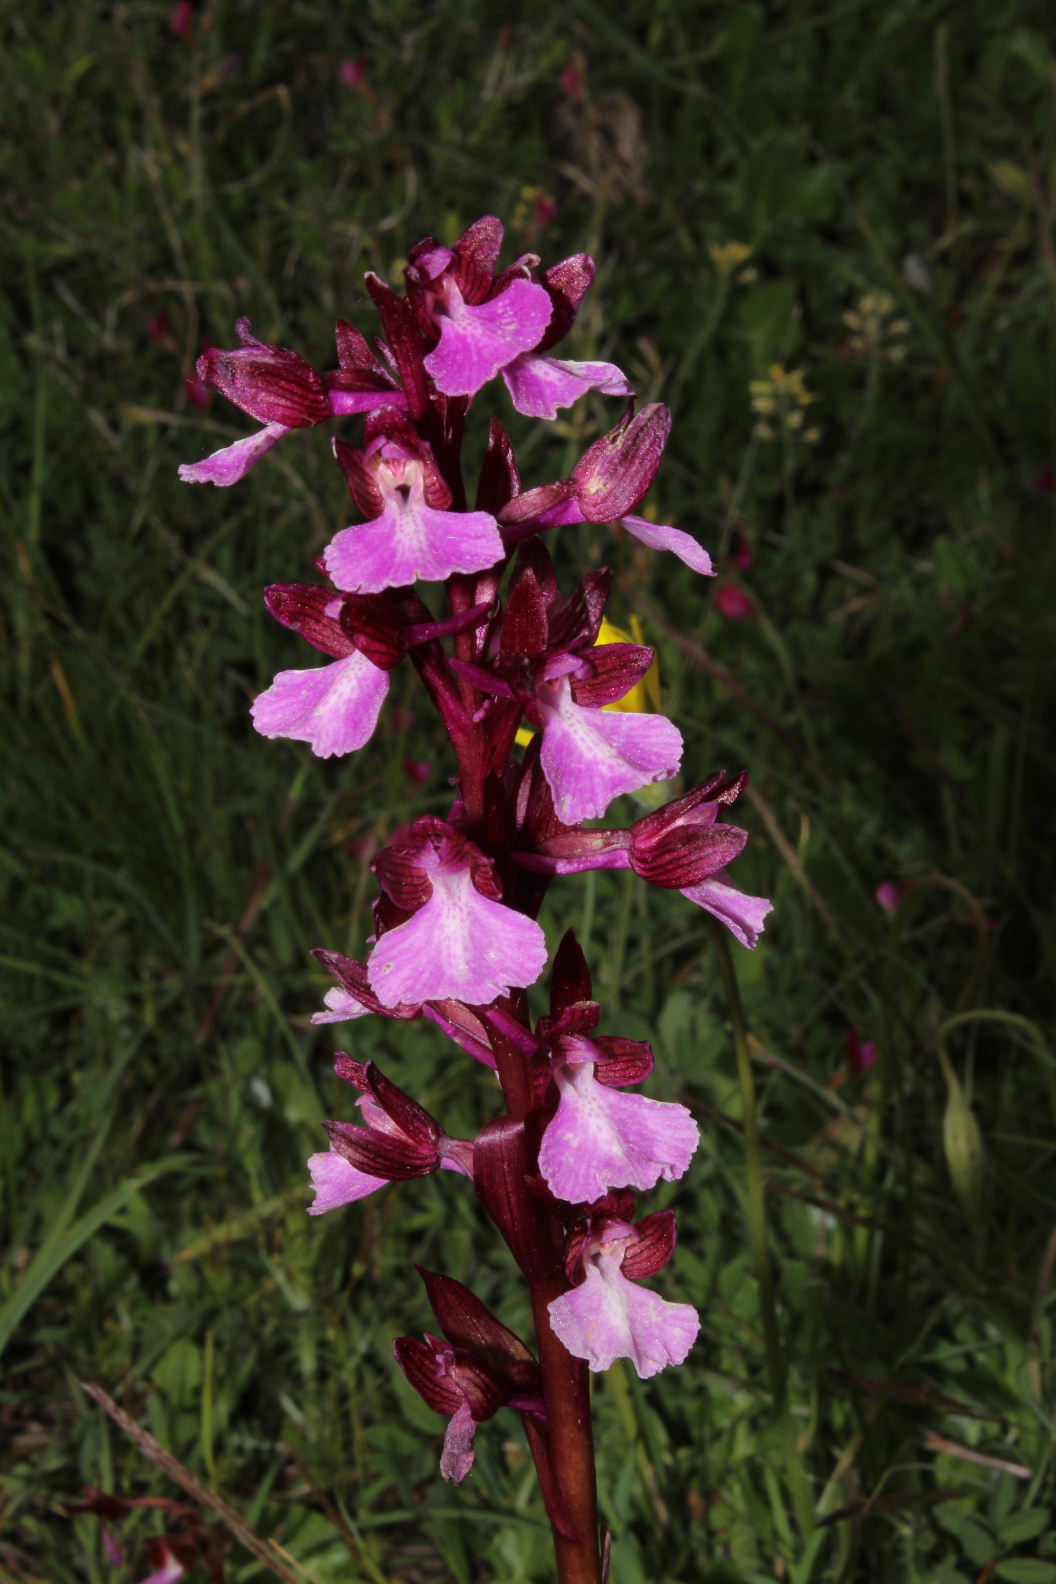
(861, 1054)
(181, 19)
(353, 73)
(733, 603)
(191, 1545)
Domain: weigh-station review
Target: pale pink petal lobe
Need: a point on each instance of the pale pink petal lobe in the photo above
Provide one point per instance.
(333, 707)
(476, 342)
(337, 1182)
(600, 1138)
(456, 1460)
(680, 543)
(743, 915)
(340, 1007)
(409, 541)
(233, 462)
(460, 946)
(539, 385)
(609, 1317)
(589, 756)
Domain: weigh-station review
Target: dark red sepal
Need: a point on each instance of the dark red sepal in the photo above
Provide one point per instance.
(271, 383)
(716, 789)
(360, 477)
(616, 472)
(411, 1118)
(380, 1154)
(400, 875)
(352, 976)
(567, 283)
(624, 1061)
(499, 478)
(419, 1361)
(657, 1236)
(404, 339)
(303, 607)
(371, 622)
(570, 980)
(617, 667)
(687, 854)
(361, 368)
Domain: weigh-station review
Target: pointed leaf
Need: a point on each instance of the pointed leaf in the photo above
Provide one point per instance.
(499, 478)
(524, 626)
(570, 982)
(404, 340)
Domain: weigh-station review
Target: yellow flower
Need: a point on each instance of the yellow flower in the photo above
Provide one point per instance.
(782, 396)
(728, 256)
(875, 327)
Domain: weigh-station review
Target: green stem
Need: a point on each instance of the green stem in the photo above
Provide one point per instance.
(802, 1500)
(754, 1161)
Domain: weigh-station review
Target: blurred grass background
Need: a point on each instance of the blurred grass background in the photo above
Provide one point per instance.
(851, 203)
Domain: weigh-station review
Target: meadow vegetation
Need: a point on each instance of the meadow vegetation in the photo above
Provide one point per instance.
(825, 238)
